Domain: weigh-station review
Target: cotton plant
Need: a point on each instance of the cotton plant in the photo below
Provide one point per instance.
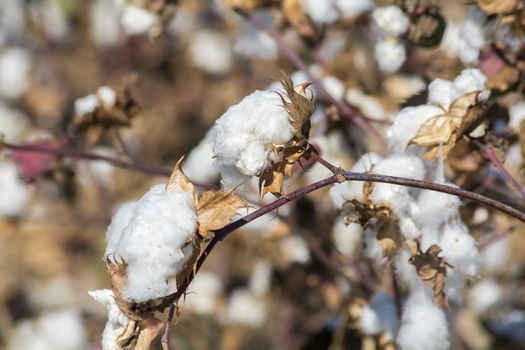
(144, 17)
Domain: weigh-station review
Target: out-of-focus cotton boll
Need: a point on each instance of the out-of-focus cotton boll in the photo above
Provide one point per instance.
(334, 87)
(495, 257)
(450, 43)
(348, 190)
(116, 319)
(261, 277)
(437, 207)
(294, 249)
(407, 123)
(347, 239)
(15, 195)
(13, 124)
(472, 35)
(370, 322)
(368, 105)
(321, 11)
(198, 165)
(353, 8)
(373, 249)
(151, 236)
(211, 52)
(423, 324)
(517, 115)
(243, 136)
(254, 43)
(484, 294)
(203, 294)
(390, 54)
(51, 15)
(105, 97)
(137, 20)
(459, 248)
(402, 165)
(15, 66)
(245, 308)
(98, 171)
(390, 20)
(263, 226)
(62, 329)
(105, 29)
(12, 18)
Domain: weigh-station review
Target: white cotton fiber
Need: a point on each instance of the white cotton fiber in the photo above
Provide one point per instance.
(484, 294)
(472, 37)
(13, 124)
(347, 239)
(245, 308)
(137, 20)
(260, 278)
(14, 196)
(353, 8)
(116, 322)
(105, 28)
(441, 93)
(211, 51)
(320, 11)
(407, 123)
(294, 249)
(203, 293)
(469, 80)
(243, 136)
(15, 66)
(390, 20)
(437, 207)
(390, 54)
(368, 105)
(198, 165)
(423, 324)
(257, 44)
(370, 322)
(517, 115)
(151, 236)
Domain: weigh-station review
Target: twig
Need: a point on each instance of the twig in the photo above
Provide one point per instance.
(358, 119)
(165, 341)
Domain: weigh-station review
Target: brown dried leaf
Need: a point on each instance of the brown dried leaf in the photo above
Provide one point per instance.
(180, 182)
(492, 7)
(128, 338)
(150, 329)
(430, 268)
(389, 238)
(294, 13)
(215, 209)
(506, 78)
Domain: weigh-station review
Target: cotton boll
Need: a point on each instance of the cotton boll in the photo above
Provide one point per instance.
(104, 29)
(107, 96)
(203, 293)
(334, 87)
(347, 239)
(385, 308)
(198, 165)
(469, 80)
(459, 248)
(254, 43)
(370, 323)
(246, 309)
(260, 278)
(116, 322)
(495, 257)
(15, 66)
(517, 115)
(370, 106)
(373, 249)
(353, 8)
(390, 20)
(441, 93)
(52, 17)
(86, 104)
(484, 294)
(137, 20)
(153, 242)
(450, 43)
(437, 207)
(407, 123)
(407, 272)
(15, 195)
(294, 249)
(423, 325)
(263, 226)
(348, 190)
(97, 171)
(13, 124)
(472, 36)
(390, 54)
(320, 11)
(243, 136)
(211, 52)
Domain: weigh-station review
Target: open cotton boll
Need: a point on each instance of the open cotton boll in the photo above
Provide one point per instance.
(245, 308)
(423, 324)
(203, 293)
(402, 165)
(294, 249)
(260, 278)
(347, 239)
(137, 20)
(254, 43)
(353, 8)
(390, 20)
(459, 247)
(441, 93)
(407, 123)
(334, 87)
(198, 165)
(116, 322)
(495, 257)
(151, 236)
(86, 104)
(484, 294)
(13, 124)
(390, 54)
(320, 11)
(517, 115)
(470, 80)
(15, 196)
(370, 322)
(340, 193)
(211, 52)
(105, 28)
(436, 208)
(15, 66)
(373, 250)
(472, 35)
(370, 106)
(61, 329)
(97, 171)
(243, 136)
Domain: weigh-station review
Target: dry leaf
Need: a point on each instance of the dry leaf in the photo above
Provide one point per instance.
(492, 7)
(180, 182)
(150, 329)
(430, 268)
(506, 78)
(389, 238)
(215, 209)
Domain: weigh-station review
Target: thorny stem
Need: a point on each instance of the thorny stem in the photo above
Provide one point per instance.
(358, 119)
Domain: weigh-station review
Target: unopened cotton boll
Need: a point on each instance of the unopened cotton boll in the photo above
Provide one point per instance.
(203, 293)
(390, 20)
(15, 195)
(243, 137)
(390, 54)
(245, 308)
(347, 239)
(137, 20)
(15, 66)
(407, 123)
(353, 8)
(116, 322)
(151, 235)
(321, 11)
(211, 52)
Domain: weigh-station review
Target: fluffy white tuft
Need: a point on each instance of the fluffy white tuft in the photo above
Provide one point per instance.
(321, 11)
(15, 195)
(203, 294)
(517, 115)
(151, 236)
(15, 66)
(472, 35)
(137, 20)
(243, 136)
(353, 8)
(390, 54)
(390, 20)
(211, 52)
(245, 308)
(13, 124)
(294, 249)
(347, 239)
(254, 43)
(198, 165)
(116, 319)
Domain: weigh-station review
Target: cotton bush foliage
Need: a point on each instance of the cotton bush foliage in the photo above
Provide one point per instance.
(151, 235)
(243, 136)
